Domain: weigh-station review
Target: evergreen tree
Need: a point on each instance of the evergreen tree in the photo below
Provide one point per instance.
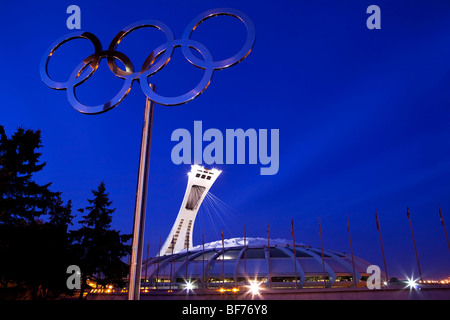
(61, 215)
(22, 200)
(32, 251)
(58, 250)
(99, 248)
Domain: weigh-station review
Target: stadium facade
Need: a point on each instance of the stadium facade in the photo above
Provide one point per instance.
(239, 262)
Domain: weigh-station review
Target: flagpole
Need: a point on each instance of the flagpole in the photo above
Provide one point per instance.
(148, 248)
(223, 261)
(187, 256)
(268, 252)
(382, 249)
(443, 225)
(414, 242)
(321, 247)
(203, 261)
(295, 253)
(171, 265)
(157, 269)
(245, 252)
(351, 251)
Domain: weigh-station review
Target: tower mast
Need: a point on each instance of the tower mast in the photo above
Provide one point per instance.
(200, 181)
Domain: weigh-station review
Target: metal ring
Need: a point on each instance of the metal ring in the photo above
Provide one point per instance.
(151, 64)
(46, 58)
(149, 60)
(199, 88)
(72, 83)
(238, 57)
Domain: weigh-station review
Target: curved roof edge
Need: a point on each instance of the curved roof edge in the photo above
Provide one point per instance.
(239, 242)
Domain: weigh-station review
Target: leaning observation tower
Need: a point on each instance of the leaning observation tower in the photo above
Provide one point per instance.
(231, 263)
(199, 183)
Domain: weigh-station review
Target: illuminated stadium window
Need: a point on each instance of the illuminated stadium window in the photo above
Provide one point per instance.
(284, 279)
(218, 280)
(229, 255)
(316, 278)
(251, 278)
(344, 278)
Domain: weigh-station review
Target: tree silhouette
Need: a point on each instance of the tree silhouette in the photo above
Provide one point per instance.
(31, 250)
(22, 200)
(100, 248)
(36, 246)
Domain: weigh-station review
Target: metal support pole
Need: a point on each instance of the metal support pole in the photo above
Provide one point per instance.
(323, 261)
(295, 254)
(414, 243)
(443, 225)
(134, 286)
(351, 251)
(382, 248)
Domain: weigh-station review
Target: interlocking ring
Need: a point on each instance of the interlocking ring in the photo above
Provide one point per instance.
(226, 63)
(144, 70)
(201, 86)
(95, 59)
(46, 58)
(154, 62)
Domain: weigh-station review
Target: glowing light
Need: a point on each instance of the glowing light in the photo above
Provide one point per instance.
(254, 288)
(189, 286)
(411, 283)
(235, 289)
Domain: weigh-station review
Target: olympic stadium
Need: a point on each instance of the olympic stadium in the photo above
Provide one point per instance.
(253, 267)
(272, 263)
(239, 262)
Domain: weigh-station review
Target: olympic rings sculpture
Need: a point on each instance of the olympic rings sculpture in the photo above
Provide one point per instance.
(151, 64)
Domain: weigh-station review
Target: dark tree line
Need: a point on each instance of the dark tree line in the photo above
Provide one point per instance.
(36, 245)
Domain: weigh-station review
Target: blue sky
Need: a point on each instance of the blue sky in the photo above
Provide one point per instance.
(363, 117)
